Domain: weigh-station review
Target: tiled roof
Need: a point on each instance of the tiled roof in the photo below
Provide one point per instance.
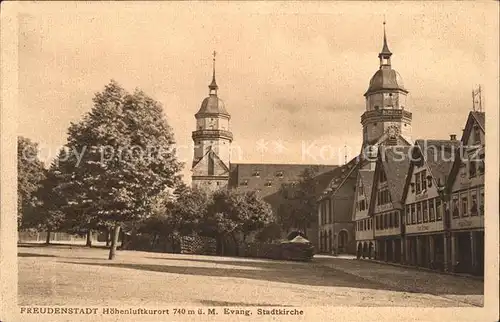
(480, 118)
(367, 180)
(439, 156)
(341, 175)
(268, 178)
(396, 161)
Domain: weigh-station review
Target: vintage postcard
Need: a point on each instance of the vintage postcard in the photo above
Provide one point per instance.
(249, 161)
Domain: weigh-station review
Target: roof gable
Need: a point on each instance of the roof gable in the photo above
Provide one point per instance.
(394, 161)
(474, 118)
(220, 167)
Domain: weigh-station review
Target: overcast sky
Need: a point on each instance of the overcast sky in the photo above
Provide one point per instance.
(289, 73)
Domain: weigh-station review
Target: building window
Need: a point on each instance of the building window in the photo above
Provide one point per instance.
(423, 178)
(424, 211)
(383, 197)
(455, 210)
(432, 214)
(465, 206)
(330, 212)
(477, 135)
(385, 221)
(481, 202)
(408, 220)
(481, 165)
(439, 211)
(419, 213)
(413, 214)
(417, 183)
(474, 204)
(472, 168)
(391, 220)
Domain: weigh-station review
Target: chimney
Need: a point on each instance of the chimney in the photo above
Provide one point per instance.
(453, 137)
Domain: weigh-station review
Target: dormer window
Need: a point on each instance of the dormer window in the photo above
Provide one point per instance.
(256, 173)
(244, 183)
(279, 174)
(268, 184)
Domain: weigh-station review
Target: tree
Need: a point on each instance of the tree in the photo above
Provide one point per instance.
(50, 202)
(121, 156)
(232, 213)
(301, 210)
(30, 173)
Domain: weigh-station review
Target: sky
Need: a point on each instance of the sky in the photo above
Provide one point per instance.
(292, 75)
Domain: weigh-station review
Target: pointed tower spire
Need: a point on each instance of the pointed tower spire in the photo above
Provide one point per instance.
(213, 85)
(385, 49)
(385, 54)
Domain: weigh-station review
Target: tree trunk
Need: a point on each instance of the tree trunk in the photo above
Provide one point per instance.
(236, 247)
(47, 239)
(114, 242)
(89, 238)
(108, 237)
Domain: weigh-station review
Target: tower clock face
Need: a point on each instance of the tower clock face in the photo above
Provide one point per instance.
(392, 131)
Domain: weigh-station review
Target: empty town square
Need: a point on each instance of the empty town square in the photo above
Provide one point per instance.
(77, 276)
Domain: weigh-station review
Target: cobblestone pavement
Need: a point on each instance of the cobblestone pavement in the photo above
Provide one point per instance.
(457, 288)
(74, 275)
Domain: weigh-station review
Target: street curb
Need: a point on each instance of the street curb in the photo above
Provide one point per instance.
(479, 278)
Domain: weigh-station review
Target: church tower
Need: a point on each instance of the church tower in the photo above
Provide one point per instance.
(212, 139)
(387, 119)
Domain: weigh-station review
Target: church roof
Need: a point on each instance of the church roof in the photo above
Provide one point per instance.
(212, 105)
(269, 178)
(386, 79)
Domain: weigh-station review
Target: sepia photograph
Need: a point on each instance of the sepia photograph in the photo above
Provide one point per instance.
(167, 161)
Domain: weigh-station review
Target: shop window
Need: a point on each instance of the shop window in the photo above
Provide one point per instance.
(454, 204)
(432, 214)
